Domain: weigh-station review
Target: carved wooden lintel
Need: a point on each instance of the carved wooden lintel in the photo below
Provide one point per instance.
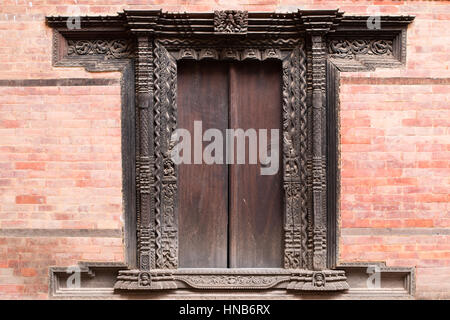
(304, 42)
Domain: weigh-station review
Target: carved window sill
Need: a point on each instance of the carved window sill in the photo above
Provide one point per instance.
(243, 279)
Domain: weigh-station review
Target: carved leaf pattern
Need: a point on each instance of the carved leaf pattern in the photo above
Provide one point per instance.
(111, 49)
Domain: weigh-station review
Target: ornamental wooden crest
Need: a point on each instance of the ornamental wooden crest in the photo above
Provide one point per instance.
(313, 47)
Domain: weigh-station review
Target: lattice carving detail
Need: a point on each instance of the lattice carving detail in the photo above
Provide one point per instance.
(145, 159)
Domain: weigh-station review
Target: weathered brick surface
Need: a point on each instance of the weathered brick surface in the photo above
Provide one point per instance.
(24, 262)
(60, 163)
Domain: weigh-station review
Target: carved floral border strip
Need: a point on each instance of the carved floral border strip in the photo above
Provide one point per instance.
(294, 145)
(350, 48)
(110, 49)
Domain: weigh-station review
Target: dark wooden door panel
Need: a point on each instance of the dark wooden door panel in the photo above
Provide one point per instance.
(256, 215)
(203, 189)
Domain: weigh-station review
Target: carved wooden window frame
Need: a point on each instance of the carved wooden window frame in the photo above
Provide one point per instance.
(313, 47)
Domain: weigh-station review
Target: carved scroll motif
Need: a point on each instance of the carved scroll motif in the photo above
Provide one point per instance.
(351, 48)
(209, 279)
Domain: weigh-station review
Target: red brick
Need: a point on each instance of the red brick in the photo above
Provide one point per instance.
(10, 123)
(30, 165)
(30, 199)
(28, 272)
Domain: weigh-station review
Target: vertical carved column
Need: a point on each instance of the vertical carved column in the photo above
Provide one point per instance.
(309, 89)
(318, 152)
(144, 161)
(294, 162)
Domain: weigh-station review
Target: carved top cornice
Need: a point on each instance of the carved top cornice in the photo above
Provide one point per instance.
(225, 23)
(319, 21)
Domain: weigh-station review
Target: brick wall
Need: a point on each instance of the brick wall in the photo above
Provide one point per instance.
(60, 162)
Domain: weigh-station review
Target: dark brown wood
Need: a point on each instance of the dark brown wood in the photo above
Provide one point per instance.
(203, 189)
(333, 178)
(256, 215)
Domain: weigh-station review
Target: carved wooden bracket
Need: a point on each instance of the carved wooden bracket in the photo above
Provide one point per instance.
(312, 45)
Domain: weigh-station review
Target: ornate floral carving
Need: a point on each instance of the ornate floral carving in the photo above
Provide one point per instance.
(294, 164)
(232, 281)
(349, 48)
(163, 38)
(165, 105)
(230, 21)
(111, 49)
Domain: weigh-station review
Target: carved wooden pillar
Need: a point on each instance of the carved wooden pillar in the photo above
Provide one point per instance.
(145, 158)
(318, 152)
